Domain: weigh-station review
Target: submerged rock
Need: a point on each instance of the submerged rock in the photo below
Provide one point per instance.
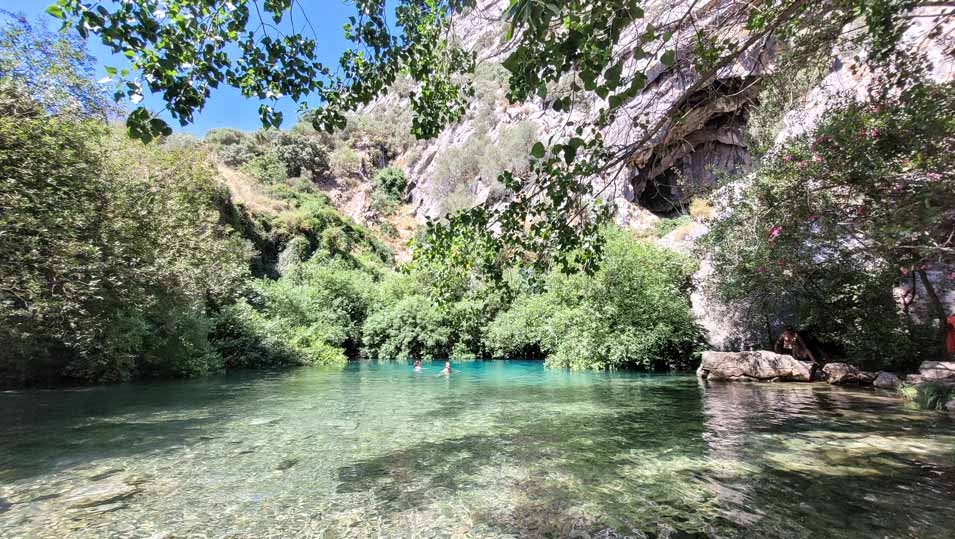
(287, 463)
(100, 494)
(887, 380)
(753, 366)
(843, 373)
(937, 370)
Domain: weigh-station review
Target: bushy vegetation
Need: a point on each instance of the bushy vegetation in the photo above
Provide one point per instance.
(832, 221)
(928, 396)
(113, 252)
(633, 313)
(392, 182)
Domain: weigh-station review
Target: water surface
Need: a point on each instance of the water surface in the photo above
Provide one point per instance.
(501, 449)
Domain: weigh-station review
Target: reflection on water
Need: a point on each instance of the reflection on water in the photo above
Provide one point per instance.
(503, 449)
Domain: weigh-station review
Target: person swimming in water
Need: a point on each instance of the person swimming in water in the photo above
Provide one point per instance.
(447, 369)
(417, 364)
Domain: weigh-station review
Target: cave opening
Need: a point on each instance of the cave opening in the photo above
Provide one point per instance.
(708, 142)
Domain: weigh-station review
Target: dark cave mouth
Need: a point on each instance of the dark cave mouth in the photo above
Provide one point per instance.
(691, 158)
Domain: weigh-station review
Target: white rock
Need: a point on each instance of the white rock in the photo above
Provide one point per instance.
(752, 366)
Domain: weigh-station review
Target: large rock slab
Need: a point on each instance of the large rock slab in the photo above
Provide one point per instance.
(843, 373)
(753, 366)
(937, 370)
(887, 380)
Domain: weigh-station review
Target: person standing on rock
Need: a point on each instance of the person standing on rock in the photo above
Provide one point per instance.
(791, 342)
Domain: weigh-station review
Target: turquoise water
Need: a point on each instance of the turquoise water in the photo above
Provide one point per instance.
(501, 449)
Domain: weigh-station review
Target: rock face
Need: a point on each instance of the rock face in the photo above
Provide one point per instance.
(843, 373)
(933, 371)
(709, 138)
(886, 380)
(753, 366)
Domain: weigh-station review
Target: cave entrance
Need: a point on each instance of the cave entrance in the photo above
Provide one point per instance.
(708, 142)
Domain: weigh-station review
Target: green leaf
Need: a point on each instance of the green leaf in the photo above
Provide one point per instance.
(55, 11)
(668, 58)
(538, 150)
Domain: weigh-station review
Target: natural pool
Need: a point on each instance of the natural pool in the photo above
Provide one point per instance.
(501, 449)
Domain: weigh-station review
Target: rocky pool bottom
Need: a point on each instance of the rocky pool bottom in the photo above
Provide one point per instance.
(501, 449)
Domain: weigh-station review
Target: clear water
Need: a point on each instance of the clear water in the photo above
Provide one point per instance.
(501, 449)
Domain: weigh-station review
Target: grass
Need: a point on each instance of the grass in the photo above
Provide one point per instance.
(931, 396)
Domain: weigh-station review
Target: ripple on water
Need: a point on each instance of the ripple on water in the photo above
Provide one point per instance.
(500, 450)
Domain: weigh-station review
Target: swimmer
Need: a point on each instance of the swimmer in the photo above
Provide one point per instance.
(447, 369)
(417, 364)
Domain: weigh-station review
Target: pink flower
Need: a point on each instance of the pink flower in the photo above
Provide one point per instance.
(759, 269)
(773, 232)
(811, 218)
(876, 109)
(905, 271)
(874, 133)
(801, 165)
(817, 158)
(788, 158)
(934, 176)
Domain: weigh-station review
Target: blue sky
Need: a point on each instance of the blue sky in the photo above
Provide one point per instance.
(226, 107)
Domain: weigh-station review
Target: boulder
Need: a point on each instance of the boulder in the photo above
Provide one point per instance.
(843, 373)
(753, 366)
(937, 370)
(950, 406)
(886, 380)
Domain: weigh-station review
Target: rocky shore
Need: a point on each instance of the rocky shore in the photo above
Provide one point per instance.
(766, 366)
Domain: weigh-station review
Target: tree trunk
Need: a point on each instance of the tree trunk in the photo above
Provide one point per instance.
(938, 310)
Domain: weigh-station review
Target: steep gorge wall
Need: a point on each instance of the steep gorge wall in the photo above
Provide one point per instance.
(658, 180)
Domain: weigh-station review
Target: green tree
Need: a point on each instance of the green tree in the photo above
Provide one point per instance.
(112, 253)
(830, 222)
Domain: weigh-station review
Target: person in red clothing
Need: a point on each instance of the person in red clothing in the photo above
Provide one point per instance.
(950, 339)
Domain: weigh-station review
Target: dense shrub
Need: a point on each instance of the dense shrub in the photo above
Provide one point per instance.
(267, 168)
(302, 153)
(409, 327)
(392, 182)
(110, 252)
(633, 313)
